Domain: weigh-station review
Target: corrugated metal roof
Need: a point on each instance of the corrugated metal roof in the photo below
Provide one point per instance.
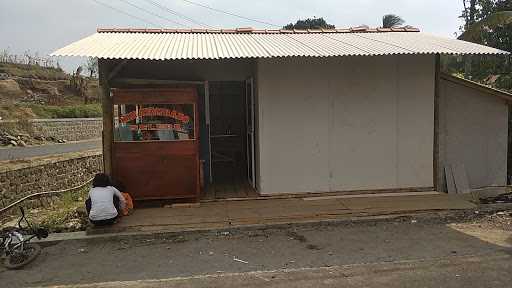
(159, 44)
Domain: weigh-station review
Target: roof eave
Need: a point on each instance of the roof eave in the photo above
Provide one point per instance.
(475, 85)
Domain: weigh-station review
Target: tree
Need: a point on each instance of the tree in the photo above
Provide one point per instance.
(477, 31)
(487, 22)
(92, 66)
(79, 84)
(469, 13)
(314, 23)
(391, 21)
(79, 70)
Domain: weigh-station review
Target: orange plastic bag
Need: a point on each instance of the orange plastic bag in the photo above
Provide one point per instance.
(128, 206)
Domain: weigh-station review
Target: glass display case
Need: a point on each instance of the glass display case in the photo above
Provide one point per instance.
(153, 122)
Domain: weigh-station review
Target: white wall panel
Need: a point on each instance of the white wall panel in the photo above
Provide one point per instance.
(475, 130)
(352, 123)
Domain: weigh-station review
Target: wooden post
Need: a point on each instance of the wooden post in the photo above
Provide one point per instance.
(438, 162)
(108, 120)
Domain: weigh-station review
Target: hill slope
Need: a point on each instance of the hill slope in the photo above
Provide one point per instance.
(32, 91)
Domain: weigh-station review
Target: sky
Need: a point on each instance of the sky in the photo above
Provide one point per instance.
(43, 26)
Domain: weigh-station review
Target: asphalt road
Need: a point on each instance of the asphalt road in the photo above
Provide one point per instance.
(49, 149)
(456, 272)
(395, 254)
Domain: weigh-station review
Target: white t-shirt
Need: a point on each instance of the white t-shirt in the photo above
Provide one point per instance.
(102, 202)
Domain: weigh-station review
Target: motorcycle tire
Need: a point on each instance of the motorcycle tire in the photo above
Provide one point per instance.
(19, 259)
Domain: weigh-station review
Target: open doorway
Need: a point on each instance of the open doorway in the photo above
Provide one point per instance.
(231, 146)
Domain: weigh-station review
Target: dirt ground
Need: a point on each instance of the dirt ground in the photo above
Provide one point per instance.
(412, 251)
(496, 221)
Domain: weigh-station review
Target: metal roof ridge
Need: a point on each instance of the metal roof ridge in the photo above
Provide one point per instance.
(385, 42)
(250, 30)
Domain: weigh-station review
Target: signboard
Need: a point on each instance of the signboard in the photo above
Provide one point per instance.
(154, 122)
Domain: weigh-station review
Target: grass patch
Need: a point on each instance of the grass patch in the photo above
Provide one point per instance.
(66, 214)
(75, 111)
(15, 111)
(33, 71)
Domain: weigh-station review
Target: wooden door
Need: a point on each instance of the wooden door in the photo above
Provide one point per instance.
(156, 142)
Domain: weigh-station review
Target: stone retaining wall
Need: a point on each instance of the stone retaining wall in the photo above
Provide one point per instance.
(72, 129)
(24, 177)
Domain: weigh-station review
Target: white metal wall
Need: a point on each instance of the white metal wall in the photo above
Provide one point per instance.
(474, 133)
(351, 123)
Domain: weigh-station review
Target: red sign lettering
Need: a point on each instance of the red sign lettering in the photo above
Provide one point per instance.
(155, 112)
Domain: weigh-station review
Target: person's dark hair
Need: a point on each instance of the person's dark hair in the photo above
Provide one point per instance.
(101, 180)
(118, 185)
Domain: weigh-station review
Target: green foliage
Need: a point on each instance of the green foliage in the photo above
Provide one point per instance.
(66, 213)
(504, 82)
(310, 23)
(75, 111)
(21, 111)
(487, 22)
(391, 21)
(486, 31)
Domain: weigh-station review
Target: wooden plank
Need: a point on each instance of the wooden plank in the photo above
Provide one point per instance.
(437, 170)
(137, 81)
(156, 96)
(186, 205)
(461, 178)
(450, 181)
(319, 198)
(236, 190)
(108, 120)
